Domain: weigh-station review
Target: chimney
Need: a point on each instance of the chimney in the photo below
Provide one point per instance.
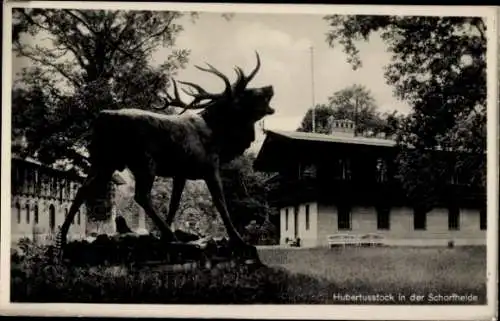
(341, 127)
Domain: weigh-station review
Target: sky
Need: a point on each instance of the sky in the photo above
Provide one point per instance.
(284, 43)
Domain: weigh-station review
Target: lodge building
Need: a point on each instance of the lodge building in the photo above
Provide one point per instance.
(342, 184)
(40, 200)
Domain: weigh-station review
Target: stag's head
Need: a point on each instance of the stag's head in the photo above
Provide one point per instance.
(236, 101)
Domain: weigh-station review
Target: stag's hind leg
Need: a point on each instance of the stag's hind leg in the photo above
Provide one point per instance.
(144, 179)
(96, 182)
(178, 187)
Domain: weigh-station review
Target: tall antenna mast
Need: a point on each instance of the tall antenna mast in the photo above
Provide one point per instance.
(355, 115)
(312, 92)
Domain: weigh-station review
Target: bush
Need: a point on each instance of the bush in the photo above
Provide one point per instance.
(33, 280)
(264, 234)
(31, 252)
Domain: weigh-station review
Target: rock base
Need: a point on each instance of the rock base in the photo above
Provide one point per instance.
(132, 249)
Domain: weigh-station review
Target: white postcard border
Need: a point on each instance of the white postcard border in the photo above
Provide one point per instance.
(265, 311)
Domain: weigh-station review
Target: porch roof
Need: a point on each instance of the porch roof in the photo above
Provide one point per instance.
(280, 147)
(330, 138)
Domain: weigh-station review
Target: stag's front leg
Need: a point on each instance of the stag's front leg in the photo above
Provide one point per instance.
(178, 187)
(214, 184)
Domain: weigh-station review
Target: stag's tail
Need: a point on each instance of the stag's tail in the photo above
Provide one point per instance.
(106, 156)
(106, 147)
(56, 252)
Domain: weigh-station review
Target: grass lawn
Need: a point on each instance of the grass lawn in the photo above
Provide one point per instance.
(292, 276)
(394, 270)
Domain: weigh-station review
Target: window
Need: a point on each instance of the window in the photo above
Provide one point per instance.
(22, 182)
(454, 177)
(383, 218)
(17, 175)
(296, 221)
(482, 218)
(67, 189)
(307, 217)
(343, 217)
(453, 218)
(48, 186)
(18, 210)
(381, 170)
(52, 217)
(286, 219)
(54, 187)
(43, 185)
(310, 171)
(419, 219)
(35, 214)
(60, 185)
(28, 181)
(27, 213)
(32, 186)
(344, 169)
(37, 182)
(78, 219)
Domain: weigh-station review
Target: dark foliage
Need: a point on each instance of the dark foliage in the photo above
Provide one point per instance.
(438, 66)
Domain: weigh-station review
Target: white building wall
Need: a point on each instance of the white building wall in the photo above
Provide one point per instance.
(308, 236)
(402, 232)
(41, 231)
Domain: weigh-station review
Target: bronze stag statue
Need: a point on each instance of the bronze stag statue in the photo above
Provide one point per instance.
(181, 146)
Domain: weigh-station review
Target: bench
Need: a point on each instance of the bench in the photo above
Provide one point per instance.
(370, 239)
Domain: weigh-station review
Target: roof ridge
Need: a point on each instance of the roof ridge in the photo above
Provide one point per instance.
(334, 138)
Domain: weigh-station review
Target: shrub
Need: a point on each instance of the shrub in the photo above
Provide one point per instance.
(35, 281)
(264, 234)
(29, 251)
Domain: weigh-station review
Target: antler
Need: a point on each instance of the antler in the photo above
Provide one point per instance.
(213, 70)
(243, 80)
(240, 84)
(177, 102)
(202, 93)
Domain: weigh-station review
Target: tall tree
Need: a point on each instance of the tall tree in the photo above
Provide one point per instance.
(355, 103)
(438, 65)
(321, 114)
(83, 61)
